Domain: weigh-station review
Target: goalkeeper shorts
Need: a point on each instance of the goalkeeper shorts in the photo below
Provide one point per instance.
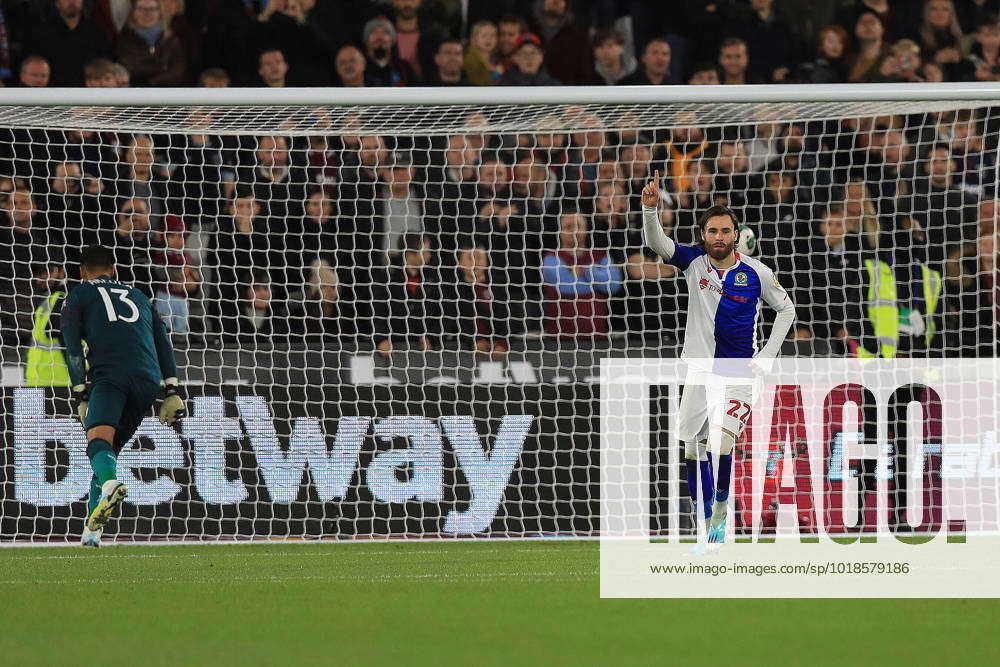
(122, 404)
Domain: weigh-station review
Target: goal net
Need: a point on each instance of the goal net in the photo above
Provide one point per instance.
(389, 317)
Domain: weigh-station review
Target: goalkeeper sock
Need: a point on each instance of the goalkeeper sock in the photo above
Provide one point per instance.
(725, 473)
(95, 495)
(707, 486)
(102, 459)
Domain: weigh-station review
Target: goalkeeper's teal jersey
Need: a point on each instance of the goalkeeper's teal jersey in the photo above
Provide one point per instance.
(125, 337)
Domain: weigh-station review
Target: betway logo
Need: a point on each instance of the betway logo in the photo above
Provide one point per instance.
(331, 467)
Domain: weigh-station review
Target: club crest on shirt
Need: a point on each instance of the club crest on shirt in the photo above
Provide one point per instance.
(740, 279)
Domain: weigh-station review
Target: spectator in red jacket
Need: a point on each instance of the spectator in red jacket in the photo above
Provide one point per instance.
(578, 281)
(177, 276)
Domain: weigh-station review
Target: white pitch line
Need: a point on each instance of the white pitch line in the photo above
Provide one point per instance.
(430, 576)
(326, 554)
(248, 541)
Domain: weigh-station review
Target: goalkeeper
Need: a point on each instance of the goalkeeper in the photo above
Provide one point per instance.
(129, 355)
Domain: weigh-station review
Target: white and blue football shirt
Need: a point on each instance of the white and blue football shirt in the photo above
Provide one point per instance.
(724, 305)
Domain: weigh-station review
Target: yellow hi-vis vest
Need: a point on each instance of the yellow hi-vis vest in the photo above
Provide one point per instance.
(931, 280)
(46, 363)
(930, 287)
(882, 309)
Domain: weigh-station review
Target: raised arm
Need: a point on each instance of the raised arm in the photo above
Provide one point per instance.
(652, 231)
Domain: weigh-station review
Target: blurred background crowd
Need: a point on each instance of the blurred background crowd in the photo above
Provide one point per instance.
(494, 42)
(882, 228)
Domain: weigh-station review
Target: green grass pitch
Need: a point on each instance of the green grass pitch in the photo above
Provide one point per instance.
(433, 603)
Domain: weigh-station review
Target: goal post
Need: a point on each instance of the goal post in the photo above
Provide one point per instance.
(390, 307)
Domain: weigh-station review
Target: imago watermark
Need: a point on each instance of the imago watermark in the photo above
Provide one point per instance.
(841, 478)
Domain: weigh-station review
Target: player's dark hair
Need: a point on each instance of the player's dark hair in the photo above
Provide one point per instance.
(97, 257)
(716, 211)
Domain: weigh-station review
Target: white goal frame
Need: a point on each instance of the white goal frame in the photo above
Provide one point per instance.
(25, 100)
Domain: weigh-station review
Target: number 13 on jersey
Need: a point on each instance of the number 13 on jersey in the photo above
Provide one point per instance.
(109, 304)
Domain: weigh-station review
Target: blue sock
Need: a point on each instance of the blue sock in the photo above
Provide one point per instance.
(102, 459)
(707, 486)
(95, 494)
(725, 473)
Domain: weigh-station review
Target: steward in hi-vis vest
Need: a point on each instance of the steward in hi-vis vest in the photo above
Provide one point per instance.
(881, 312)
(46, 363)
(920, 289)
(901, 299)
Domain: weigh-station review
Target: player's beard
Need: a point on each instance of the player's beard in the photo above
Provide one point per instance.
(719, 252)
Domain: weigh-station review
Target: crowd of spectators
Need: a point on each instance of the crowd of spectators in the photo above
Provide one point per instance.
(477, 238)
(494, 42)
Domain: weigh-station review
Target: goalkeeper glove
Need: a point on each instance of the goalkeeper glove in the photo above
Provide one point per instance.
(81, 399)
(172, 407)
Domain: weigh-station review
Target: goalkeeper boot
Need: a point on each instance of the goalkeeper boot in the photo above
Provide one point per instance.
(717, 524)
(112, 493)
(91, 538)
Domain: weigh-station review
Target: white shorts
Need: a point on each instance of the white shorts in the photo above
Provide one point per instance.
(711, 400)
